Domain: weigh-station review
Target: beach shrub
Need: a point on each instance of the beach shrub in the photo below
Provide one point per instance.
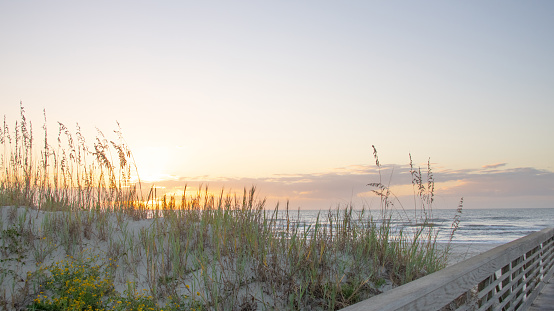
(12, 244)
(73, 285)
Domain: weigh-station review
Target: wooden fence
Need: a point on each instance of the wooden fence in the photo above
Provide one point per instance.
(508, 277)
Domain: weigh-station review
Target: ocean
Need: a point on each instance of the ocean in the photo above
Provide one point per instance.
(495, 225)
(486, 226)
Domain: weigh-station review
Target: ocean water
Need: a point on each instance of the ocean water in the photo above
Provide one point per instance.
(490, 226)
(496, 225)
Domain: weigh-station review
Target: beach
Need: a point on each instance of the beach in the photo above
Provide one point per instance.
(463, 251)
(34, 242)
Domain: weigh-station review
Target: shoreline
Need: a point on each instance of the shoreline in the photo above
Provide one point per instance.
(463, 251)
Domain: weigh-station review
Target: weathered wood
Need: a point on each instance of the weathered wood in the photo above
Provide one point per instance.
(509, 276)
(545, 301)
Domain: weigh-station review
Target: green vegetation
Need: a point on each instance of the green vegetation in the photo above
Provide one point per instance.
(77, 235)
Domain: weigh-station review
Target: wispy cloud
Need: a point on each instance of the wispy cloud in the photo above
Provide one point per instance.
(493, 166)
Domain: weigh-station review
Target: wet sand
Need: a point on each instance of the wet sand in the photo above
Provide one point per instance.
(462, 251)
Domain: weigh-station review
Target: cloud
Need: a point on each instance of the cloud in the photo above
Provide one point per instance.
(506, 183)
(493, 166)
(347, 184)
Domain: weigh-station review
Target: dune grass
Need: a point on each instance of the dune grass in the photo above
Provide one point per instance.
(77, 234)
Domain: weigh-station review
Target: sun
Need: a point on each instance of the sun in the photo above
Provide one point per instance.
(153, 162)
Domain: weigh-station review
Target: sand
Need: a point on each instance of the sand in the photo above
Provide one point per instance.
(35, 252)
(462, 251)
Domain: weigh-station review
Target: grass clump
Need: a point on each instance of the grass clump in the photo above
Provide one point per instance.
(206, 251)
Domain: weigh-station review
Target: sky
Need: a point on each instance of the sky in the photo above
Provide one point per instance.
(290, 96)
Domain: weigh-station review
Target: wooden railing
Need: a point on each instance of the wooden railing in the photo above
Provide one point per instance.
(508, 277)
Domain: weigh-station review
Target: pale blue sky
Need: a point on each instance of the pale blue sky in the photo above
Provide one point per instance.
(248, 89)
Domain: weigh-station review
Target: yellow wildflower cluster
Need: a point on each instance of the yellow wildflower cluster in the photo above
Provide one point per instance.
(137, 302)
(74, 285)
(79, 284)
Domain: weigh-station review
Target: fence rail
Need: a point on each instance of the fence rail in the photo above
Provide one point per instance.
(508, 277)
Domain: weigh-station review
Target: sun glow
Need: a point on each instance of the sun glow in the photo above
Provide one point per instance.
(152, 162)
(201, 197)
